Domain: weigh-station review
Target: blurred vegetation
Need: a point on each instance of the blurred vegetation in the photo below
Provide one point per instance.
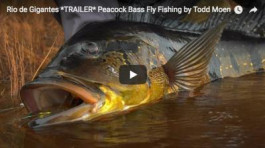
(26, 39)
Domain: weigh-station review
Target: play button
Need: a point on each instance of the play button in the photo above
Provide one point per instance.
(132, 74)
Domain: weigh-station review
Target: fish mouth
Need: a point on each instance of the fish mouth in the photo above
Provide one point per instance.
(65, 101)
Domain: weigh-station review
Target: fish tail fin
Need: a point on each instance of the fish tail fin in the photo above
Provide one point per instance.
(188, 67)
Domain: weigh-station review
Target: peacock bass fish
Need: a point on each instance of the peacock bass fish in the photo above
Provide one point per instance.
(82, 81)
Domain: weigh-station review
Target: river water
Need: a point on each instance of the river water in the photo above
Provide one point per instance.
(224, 113)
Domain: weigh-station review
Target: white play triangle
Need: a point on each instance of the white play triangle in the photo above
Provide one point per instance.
(132, 74)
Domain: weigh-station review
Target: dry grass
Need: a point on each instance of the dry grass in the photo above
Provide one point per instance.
(25, 41)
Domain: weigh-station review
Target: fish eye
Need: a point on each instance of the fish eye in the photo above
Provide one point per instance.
(90, 48)
(85, 50)
(79, 52)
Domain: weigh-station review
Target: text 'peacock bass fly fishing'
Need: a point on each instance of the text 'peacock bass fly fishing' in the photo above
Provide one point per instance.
(179, 52)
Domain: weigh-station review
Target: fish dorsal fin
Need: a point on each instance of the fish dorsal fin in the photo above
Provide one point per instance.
(187, 68)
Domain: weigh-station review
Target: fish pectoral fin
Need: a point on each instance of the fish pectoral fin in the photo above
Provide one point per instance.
(187, 68)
